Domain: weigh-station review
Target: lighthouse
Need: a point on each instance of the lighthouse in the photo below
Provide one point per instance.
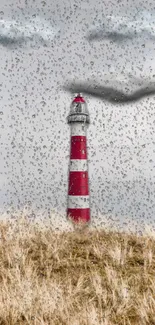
(78, 206)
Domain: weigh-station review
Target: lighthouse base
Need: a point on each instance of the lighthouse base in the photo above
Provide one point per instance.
(78, 215)
(80, 218)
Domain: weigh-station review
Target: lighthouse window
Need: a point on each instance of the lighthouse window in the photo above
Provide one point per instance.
(84, 175)
(83, 151)
(78, 108)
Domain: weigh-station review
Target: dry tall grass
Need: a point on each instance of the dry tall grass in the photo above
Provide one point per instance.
(75, 278)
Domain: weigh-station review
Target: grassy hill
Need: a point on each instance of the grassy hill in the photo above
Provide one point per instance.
(79, 278)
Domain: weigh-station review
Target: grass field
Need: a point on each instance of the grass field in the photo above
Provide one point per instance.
(75, 278)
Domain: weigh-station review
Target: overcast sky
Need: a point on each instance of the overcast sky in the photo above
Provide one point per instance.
(42, 46)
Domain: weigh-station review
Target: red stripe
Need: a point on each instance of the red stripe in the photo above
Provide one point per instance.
(78, 183)
(79, 214)
(78, 147)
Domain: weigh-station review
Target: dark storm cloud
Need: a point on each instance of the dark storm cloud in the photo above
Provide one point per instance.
(120, 28)
(117, 36)
(34, 30)
(114, 36)
(14, 42)
(10, 42)
(111, 94)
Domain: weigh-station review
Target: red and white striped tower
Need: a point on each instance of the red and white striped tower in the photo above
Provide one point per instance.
(78, 208)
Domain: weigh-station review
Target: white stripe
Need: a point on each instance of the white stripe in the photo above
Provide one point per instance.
(78, 129)
(78, 165)
(75, 202)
